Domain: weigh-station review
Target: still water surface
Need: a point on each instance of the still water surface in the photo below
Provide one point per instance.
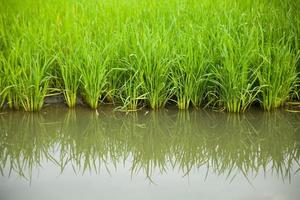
(168, 154)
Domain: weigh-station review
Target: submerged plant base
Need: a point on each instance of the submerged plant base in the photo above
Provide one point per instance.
(58, 101)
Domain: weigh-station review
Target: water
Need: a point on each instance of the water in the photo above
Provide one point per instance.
(80, 154)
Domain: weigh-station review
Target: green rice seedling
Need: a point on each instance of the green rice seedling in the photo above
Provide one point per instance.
(154, 67)
(10, 72)
(93, 73)
(11, 93)
(114, 82)
(122, 75)
(69, 42)
(4, 81)
(130, 93)
(70, 74)
(235, 75)
(29, 79)
(189, 74)
(277, 74)
(27, 60)
(125, 74)
(34, 85)
(26, 68)
(86, 54)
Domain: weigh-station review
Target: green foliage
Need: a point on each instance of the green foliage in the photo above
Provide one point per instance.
(235, 74)
(189, 75)
(277, 75)
(148, 53)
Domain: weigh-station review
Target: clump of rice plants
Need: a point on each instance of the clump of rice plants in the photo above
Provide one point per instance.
(126, 82)
(28, 79)
(277, 74)
(189, 74)
(130, 92)
(93, 73)
(234, 75)
(69, 64)
(27, 68)
(154, 67)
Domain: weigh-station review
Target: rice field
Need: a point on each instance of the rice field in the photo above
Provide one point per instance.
(225, 54)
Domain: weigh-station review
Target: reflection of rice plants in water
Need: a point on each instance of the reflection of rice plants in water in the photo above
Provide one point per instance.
(156, 142)
(227, 54)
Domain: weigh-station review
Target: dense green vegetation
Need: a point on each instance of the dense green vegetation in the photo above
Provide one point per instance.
(227, 54)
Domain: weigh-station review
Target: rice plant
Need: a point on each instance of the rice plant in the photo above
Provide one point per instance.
(277, 74)
(154, 67)
(235, 74)
(189, 75)
(130, 93)
(69, 64)
(127, 72)
(93, 74)
(30, 79)
(26, 68)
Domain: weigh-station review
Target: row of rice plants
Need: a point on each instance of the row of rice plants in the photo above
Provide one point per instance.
(149, 53)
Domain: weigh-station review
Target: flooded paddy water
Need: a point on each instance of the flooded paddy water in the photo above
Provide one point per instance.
(60, 153)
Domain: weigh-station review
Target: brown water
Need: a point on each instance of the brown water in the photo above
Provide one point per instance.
(79, 154)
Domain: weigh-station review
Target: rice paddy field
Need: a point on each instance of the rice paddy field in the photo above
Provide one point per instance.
(224, 54)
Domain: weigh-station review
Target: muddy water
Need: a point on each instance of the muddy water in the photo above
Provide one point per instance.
(81, 154)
